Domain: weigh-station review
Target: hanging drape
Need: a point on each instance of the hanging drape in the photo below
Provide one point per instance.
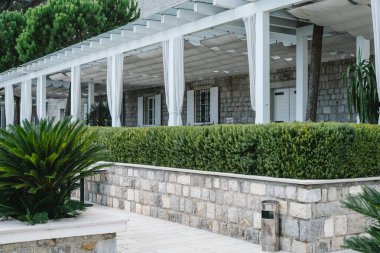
(115, 68)
(90, 98)
(174, 76)
(109, 83)
(250, 28)
(375, 6)
(117, 89)
(9, 105)
(41, 97)
(26, 101)
(75, 93)
(165, 54)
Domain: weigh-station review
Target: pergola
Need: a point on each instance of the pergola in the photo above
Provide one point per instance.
(210, 37)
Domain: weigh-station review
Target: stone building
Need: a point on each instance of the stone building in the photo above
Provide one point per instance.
(242, 63)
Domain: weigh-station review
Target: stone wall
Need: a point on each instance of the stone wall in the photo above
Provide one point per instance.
(234, 99)
(332, 99)
(311, 217)
(79, 244)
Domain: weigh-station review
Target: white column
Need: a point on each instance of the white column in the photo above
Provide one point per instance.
(75, 93)
(26, 101)
(115, 66)
(363, 48)
(91, 96)
(375, 6)
(250, 28)
(302, 76)
(174, 75)
(9, 105)
(41, 97)
(262, 68)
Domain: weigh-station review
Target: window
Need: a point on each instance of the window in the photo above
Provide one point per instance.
(149, 111)
(202, 106)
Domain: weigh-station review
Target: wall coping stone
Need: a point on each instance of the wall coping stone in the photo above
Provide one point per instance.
(301, 182)
(94, 221)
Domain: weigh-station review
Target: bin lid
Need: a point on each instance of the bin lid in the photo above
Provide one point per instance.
(270, 205)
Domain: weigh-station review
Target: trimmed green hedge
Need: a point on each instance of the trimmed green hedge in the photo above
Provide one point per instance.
(303, 151)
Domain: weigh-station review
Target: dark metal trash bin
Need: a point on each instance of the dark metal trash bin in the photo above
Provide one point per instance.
(270, 238)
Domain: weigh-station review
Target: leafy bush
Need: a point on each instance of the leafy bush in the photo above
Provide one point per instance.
(360, 80)
(41, 165)
(99, 116)
(304, 151)
(367, 204)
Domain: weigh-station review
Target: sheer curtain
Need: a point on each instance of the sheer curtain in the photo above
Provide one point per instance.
(41, 97)
(117, 89)
(109, 83)
(26, 101)
(375, 6)
(115, 68)
(75, 93)
(250, 28)
(174, 75)
(9, 105)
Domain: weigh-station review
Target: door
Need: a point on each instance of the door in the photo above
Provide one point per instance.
(285, 105)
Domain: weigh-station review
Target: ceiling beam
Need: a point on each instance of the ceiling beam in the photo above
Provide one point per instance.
(229, 4)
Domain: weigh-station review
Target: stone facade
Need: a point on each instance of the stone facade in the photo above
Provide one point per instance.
(81, 244)
(234, 99)
(332, 99)
(312, 219)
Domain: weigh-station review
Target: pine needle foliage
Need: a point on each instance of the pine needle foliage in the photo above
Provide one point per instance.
(40, 166)
(99, 116)
(363, 99)
(366, 203)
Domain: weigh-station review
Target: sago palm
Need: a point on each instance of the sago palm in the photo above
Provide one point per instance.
(41, 165)
(366, 203)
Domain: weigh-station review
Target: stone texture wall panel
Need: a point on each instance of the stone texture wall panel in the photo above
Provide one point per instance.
(311, 216)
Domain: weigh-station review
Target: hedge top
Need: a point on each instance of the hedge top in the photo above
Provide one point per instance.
(295, 150)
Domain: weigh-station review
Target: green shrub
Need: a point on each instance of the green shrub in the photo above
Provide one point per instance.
(303, 151)
(99, 116)
(41, 165)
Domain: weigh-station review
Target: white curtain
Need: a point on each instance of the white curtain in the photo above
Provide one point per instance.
(174, 76)
(109, 83)
(90, 97)
(9, 105)
(75, 93)
(165, 55)
(250, 28)
(26, 101)
(375, 6)
(117, 89)
(41, 97)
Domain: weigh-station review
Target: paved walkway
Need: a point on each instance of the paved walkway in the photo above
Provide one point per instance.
(149, 235)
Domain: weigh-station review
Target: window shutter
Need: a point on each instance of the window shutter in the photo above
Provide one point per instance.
(214, 105)
(157, 108)
(140, 111)
(190, 107)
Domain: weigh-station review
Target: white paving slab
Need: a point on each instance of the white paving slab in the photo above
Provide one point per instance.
(150, 235)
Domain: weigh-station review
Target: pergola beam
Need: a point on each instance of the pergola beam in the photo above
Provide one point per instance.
(140, 42)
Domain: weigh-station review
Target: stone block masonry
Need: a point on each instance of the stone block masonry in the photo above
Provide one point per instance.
(79, 244)
(312, 219)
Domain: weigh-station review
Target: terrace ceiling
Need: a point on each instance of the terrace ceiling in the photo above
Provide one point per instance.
(214, 52)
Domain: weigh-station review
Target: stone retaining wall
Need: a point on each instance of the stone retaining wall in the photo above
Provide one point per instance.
(79, 244)
(311, 217)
